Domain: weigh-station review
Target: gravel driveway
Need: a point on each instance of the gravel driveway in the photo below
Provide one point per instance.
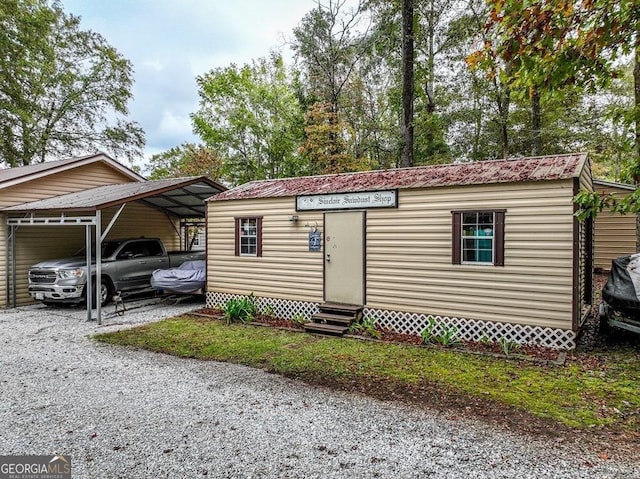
(121, 413)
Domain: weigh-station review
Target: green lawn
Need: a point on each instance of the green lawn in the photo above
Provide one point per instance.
(582, 394)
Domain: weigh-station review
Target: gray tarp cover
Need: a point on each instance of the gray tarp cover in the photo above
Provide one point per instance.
(622, 291)
(189, 277)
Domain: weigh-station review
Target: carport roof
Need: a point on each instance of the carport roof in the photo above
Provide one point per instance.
(181, 197)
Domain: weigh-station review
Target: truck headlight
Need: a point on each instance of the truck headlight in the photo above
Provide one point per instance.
(71, 273)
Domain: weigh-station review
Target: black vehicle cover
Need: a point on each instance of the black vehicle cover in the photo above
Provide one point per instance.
(620, 291)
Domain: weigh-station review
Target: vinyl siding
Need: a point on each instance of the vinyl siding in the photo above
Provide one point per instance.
(50, 242)
(615, 234)
(140, 220)
(287, 268)
(408, 254)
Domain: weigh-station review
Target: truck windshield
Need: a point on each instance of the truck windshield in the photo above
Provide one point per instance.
(108, 248)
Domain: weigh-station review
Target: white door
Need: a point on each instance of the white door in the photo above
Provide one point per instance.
(344, 250)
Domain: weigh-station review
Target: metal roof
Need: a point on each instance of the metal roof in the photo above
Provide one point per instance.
(481, 172)
(611, 184)
(181, 197)
(19, 174)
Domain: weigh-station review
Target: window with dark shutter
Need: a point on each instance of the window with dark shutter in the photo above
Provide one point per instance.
(478, 237)
(248, 236)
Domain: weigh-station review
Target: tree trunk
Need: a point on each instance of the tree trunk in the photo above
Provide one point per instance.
(406, 159)
(536, 122)
(636, 84)
(503, 101)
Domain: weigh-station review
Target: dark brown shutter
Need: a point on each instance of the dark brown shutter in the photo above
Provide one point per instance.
(259, 236)
(499, 238)
(237, 237)
(456, 225)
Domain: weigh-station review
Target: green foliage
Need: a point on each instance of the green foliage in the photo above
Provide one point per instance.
(268, 310)
(439, 333)
(299, 320)
(63, 90)
(324, 144)
(449, 336)
(186, 160)
(251, 115)
(591, 203)
(562, 42)
(240, 309)
(365, 327)
(508, 346)
(427, 333)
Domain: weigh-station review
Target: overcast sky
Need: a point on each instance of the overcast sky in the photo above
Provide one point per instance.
(170, 42)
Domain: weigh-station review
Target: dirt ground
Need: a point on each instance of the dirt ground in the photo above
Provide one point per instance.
(592, 340)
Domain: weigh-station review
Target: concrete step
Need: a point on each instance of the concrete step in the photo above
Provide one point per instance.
(338, 319)
(330, 329)
(341, 308)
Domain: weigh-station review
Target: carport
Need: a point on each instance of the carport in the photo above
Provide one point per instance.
(178, 198)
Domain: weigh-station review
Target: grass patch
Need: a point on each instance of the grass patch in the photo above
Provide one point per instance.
(578, 395)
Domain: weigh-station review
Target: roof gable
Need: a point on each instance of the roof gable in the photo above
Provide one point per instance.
(22, 174)
(540, 168)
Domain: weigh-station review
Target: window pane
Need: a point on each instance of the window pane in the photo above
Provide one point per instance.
(249, 236)
(485, 219)
(469, 218)
(468, 251)
(477, 237)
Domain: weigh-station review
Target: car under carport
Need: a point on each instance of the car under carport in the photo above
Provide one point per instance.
(53, 226)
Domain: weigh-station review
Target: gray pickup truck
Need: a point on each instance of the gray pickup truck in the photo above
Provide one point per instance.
(127, 265)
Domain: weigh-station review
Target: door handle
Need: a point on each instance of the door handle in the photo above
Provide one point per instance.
(142, 262)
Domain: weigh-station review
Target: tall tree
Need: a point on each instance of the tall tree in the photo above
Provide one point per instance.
(565, 42)
(329, 44)
(186, 160)
(63, 90)
(251, 116)
(323, 143)
(407, 83)
(497, 71)
(432, 64)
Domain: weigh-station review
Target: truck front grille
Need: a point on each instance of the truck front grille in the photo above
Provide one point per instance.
(42, 276)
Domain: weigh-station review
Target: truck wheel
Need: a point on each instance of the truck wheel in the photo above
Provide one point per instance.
(105, 292)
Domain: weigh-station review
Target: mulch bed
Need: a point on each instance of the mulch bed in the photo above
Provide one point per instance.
(536, 353)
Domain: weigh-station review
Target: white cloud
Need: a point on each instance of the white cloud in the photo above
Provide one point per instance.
(170, 42)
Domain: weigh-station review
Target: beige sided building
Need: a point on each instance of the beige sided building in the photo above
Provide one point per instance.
(490, 247)
(615, 234)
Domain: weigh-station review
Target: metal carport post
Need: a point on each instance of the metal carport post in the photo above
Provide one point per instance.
(176, 197)
(62, 220)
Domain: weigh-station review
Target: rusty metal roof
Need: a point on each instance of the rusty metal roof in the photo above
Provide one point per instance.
(9, 176)
(181, 197)
(480, 172)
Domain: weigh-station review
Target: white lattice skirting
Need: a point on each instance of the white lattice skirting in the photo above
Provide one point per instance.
(415, 323)
(281, 308)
